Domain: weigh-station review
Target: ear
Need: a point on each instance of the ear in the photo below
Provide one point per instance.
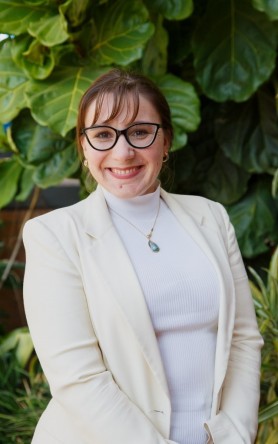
(83, 145)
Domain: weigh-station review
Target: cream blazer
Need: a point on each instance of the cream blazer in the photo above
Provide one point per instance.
(93, 334)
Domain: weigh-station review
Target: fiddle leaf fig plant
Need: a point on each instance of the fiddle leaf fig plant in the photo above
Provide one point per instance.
(239, 51)
(217, 71)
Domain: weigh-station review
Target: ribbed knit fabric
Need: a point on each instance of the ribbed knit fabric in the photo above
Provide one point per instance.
(181, 290)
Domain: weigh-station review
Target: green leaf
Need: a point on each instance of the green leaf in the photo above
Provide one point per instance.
(180, 45)
(49, 30)
(13, 84)
(63, 164)
(180, 138)
(224, 181)
(4, 144)
(20, 340)
(256, 293)
(16, 15)
(255, 219)
(121, 30)
(260, 293)
(238, 53)
(47, 157)
(248, 132)
(270, 7)
(46, 23)
(76, 11)
(36, 143)
(26, 184)
(36, 60)
(273, 284)
(203, 169)
(184, 104)
(54, 102)
(275, 184)
(269, 412)
(10, 171)
(172, 10)
(154, 61)
(38, 2)
(272, 436)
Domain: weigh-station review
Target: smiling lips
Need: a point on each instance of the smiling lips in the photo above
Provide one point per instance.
(125, 172)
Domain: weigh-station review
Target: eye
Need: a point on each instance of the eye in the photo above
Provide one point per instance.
(139, 132)
(103, 134)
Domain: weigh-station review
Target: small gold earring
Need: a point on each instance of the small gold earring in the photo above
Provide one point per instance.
(165, 157)
(85, 163)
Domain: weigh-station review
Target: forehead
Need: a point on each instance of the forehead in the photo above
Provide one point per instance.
(125, 109)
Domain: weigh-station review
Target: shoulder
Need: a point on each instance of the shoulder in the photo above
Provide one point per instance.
(198, 206)
(203, 211)
(59, 223)
(191, 201)
(64, 214)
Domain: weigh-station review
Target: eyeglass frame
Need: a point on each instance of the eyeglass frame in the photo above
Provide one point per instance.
(119, 133)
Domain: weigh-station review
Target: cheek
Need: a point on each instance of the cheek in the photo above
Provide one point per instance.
(95, 159)
(158, 157)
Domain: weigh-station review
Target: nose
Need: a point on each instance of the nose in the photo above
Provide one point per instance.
(123, 150)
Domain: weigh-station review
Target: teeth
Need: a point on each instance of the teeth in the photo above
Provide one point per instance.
(123, 172)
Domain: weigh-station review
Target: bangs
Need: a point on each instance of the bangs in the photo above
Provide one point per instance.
(121, 98)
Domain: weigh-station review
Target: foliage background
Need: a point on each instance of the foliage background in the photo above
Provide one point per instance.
(216, 62)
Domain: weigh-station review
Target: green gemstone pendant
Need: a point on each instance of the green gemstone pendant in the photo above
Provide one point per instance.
(153, 246)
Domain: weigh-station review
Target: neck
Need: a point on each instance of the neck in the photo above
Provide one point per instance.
(140, 213)
(136, 208)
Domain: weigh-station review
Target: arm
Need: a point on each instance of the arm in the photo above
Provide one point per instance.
(64, 339)
(236, 421)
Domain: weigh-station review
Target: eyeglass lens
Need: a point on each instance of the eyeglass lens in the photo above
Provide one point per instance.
(139, 135)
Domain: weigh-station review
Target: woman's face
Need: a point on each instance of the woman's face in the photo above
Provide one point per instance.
(123, 170)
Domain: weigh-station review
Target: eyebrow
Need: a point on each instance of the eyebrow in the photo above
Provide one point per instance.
(135, 122)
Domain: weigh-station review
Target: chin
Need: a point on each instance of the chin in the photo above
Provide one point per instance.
(125, 192)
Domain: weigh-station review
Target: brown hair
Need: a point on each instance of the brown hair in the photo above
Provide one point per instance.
(124, 87)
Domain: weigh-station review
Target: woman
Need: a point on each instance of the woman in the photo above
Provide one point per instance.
(137, 300)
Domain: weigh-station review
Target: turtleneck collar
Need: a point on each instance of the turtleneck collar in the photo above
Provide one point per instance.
(144, 207)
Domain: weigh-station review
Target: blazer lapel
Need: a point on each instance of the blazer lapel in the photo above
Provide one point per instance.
(210, 241)
(120, 277)
(122, 281)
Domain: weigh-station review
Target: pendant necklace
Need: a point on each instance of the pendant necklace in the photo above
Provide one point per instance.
(153, 246)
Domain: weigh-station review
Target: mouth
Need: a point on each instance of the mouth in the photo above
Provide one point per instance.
(125, 172)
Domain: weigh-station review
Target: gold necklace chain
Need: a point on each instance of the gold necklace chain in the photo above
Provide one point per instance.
(153, 246)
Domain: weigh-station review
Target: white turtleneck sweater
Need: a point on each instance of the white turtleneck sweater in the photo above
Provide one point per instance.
(182, 294)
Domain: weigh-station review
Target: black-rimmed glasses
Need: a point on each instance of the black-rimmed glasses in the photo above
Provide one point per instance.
(138, 135)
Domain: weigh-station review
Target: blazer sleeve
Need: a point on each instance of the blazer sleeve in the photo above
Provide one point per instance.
(67, 347)
(237, 419)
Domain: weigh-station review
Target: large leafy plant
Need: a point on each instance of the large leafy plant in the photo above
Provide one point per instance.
(266, 302)
(215, 61)
(24, 392)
